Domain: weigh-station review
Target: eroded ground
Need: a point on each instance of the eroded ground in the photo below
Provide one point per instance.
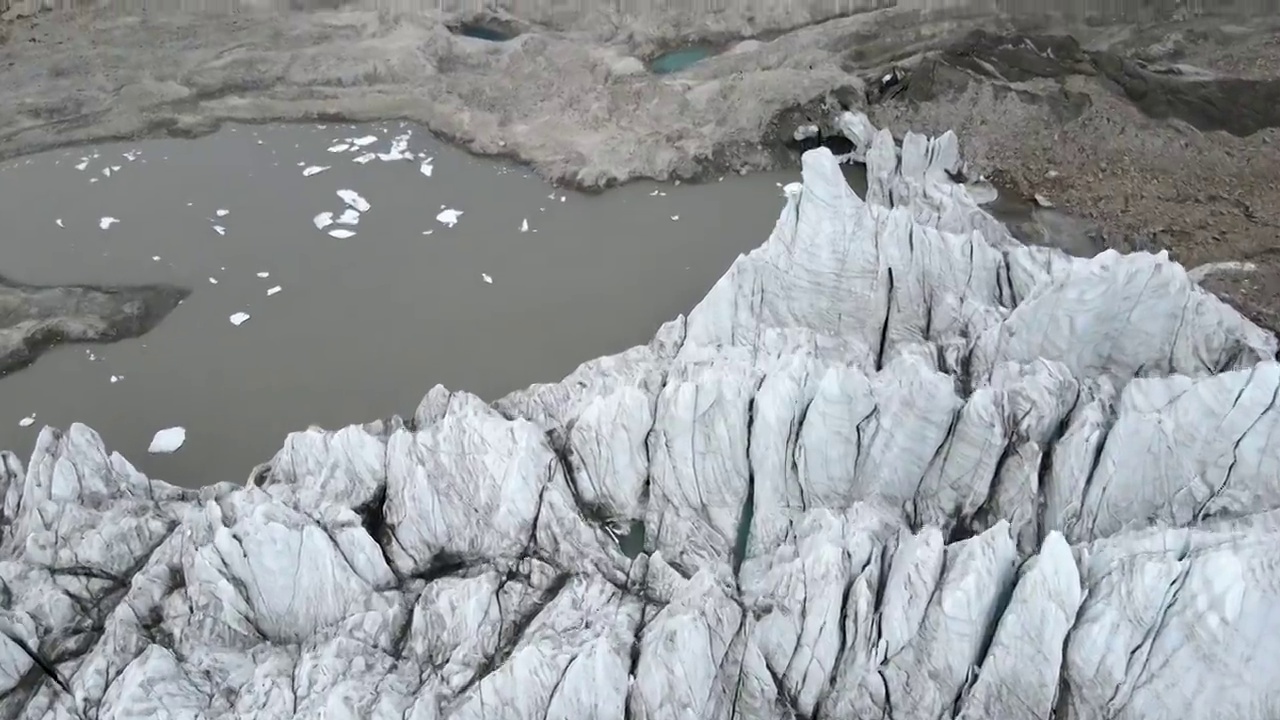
(1160, 135)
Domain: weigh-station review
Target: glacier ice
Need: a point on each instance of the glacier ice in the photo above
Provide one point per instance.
(894, 465)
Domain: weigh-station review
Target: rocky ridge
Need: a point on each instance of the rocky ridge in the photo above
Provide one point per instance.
(895, 464)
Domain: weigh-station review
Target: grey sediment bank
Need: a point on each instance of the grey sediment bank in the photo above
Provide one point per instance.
(895, 464)
(34, 318)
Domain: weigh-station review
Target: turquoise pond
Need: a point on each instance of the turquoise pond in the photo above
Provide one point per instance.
(678, 60)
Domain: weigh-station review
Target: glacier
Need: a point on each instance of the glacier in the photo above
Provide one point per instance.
(895, 465)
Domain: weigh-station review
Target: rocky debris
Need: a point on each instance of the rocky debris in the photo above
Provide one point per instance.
(34, 318)
(896, 464)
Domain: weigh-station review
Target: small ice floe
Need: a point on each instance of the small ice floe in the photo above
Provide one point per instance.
(131, 155)
(1043, 201)
(167, 441)
(350, 216)
(93, 180)
(314, 170)
(340, 147)
(323, 220)
(219, 229)
(116, 378)
(675, 217)
(107, 222)
(213, 281)
(427, 232)
(341, 233)
(426, 168)
(155, 258)
(273, 290)
(449, 217)
(106, 172)
(524, 225)
(563, 198)
(222, 212)
(58, 222)
(84, 163)
(353, 198)
(487, 278)
(366, 140)
(399, 149)
(238, 319)
(264, 275)
(27, 421)
(362, 159)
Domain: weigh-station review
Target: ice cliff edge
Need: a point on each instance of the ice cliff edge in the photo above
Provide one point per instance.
(894, 465)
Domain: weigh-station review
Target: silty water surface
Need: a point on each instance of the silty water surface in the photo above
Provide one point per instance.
(361, 326)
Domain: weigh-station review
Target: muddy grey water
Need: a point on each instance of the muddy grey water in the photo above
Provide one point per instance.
(361, 326)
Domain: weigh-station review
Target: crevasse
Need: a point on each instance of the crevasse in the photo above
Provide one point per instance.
(894, 465)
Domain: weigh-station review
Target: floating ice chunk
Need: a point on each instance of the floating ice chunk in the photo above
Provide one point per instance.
(675, 217)
(222, 212)
(273, 290)
(449, 217)
(487, 278)
(563, 198)
(524, 225)
(213, 281)
(27, 421)
(427, 232)
(156, 258)
(167, 441)
(314, 170)
(58, 222)
(364, 158)
(116, 378)
(106, 172)
(350, 216)
(107, 222)
(323, 220)
(399, 149)
(84, 163)
(131, 155)
(341, 233)
(115, 168)
(264, 275)
(238, 319)
(219, 229)
(340, 147)
(426, 168)
(353, 198)
(366, 140)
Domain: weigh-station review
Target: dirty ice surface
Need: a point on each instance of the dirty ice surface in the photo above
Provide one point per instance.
(412, 269)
